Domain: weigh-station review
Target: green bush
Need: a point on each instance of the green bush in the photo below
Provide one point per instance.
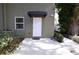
(58, 37)
(75, 38)
(65, 12)
(5, 38)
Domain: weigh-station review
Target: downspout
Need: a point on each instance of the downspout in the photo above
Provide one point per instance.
(4, 16)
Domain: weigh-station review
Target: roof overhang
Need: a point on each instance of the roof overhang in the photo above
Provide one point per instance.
(37, 13)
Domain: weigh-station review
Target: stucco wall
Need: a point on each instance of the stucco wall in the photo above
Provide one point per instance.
(13, 10)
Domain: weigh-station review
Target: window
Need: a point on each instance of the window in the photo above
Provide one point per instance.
(19, 23)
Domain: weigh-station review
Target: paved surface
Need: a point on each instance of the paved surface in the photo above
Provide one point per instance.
(45, 46)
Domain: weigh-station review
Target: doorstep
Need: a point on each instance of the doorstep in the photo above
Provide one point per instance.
(36, 38)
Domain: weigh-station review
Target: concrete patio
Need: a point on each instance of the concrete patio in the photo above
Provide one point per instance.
(46, 46)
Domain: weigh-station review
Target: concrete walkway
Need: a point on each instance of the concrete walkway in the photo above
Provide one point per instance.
(46, 46)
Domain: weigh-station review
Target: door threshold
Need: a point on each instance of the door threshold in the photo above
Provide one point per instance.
(36, 38)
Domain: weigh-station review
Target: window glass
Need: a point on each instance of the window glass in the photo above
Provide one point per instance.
(19, 26)
(19, 19)
(19, 23)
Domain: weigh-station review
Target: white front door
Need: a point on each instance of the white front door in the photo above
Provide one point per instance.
(37, 27)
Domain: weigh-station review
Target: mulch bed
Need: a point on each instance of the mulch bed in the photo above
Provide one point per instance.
(11, 46)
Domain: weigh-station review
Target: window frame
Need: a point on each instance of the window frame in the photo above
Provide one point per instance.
(19, 22)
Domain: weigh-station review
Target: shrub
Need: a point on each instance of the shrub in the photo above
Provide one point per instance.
(58, 37)
(5, 38)
(65, 12)
(75, 38)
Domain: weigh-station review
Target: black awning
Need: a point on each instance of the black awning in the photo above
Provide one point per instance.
(37, 13)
